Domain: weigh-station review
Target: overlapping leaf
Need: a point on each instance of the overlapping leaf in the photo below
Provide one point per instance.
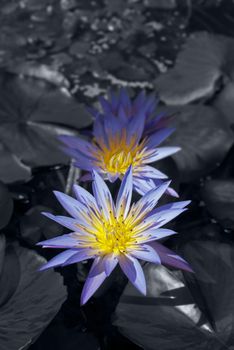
(197, 70)
(177, 313)
(204, 137)
(32, 113)
(219, 198)
(29, 299)
(6, 205)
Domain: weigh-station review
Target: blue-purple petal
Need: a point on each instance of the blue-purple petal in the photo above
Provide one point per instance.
(63, 241)
(150, 199)
(155, 234)
(147, 171)
(135, 127)
(110, 262)
(162, 218)
(91, 285)
(83, 146)
(147, 253)
(133, 270)
(65, 221)
(99, 132)
(82, 254)
(105, 105)
(171, 192)
(159, 136)
(162, 152)
(102, 195)
(124, 195)
(71, 205)
(59, 259)
(97, 267)
(168, 257)
(84, 196)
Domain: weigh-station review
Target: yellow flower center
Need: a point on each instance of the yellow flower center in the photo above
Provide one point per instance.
(120, 154)
(114, 238)
(113, 235)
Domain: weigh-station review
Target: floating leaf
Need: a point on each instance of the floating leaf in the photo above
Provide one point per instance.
(32, 113)
(204, 137)
(58, 337)
(40, 71)
(31, 300)
(12, 168)
(35, 227)
(6, 205)
(218, 195)
(225, 102)
(2, 251)
(197, 70)
(194, 313)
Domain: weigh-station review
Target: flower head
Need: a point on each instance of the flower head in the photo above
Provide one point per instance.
(120, 105)
(112, 233)
(119, 143)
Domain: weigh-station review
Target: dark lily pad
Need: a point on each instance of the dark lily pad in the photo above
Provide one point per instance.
(6, 205)
(218, 195)
(2, 251)
(32, 298)
(204, 137)
(40, 71)
(197, 70)
(57, 336)
(167, 5)
(225, 103)
(32, 113)
(178, 313)
(12, 168)
(34, 227)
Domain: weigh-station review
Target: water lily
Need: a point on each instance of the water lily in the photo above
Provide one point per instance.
(119, 104)
(114, 233)
(119, 143)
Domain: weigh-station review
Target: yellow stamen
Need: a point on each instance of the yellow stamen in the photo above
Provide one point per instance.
(120, 153)
(115, 235)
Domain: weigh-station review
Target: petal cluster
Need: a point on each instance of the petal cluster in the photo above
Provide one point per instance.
(114, 233)
(121, 106)
(124, 135)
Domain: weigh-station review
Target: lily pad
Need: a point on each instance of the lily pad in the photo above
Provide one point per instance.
(218, 195)
(178, 313)
(198, 68)
(32, 298)
(204, 137)
(32, 113)
(2, 251)
(6, 205)
(225, 102)
(34, 227)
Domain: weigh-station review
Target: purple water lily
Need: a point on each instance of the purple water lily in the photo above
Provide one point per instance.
(119, 104)
(119, 142)
(114, 233)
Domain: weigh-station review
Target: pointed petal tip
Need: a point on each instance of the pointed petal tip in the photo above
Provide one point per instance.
(47, 214)
(57, 193)
(129, 168)
(168, 182)
(62, 138)
(83, 300)
(94, 174)
(43, 267)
